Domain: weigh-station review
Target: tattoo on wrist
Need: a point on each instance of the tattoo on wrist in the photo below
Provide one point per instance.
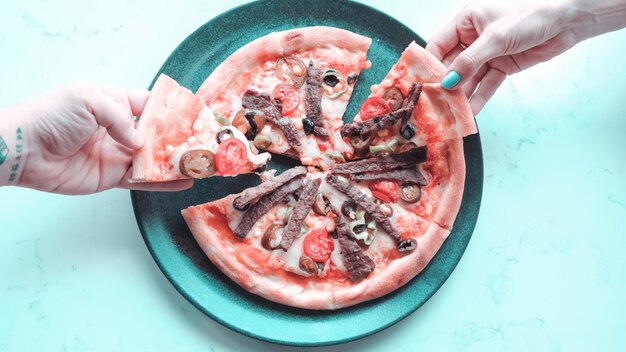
(18, 149)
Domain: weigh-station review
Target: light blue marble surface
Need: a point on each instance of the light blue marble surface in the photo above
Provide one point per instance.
(545, 270)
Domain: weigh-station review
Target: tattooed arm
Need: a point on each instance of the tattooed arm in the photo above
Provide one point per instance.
(77, 140)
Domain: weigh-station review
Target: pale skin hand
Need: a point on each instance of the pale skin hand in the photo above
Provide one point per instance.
(80, 140)
(484, 43)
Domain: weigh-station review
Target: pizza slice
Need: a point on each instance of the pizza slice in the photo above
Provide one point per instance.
(288, 91)
(184, 139)
(409, 107)
(427, 181)
(315, 240)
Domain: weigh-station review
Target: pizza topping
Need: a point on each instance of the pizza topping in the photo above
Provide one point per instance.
(221, 119)
(320, 206)
(197, 163)
(353, 78)
(382, 163)
(411, 174)
(407, 131)
(288, 96)
(308, 125)
(308, 265)
(385, 190)
(361, 144)
(387, 148)
(365, 202)
(262, 141)
(372, 107)
(348, 208)
(318, 245)
(264, 205)
(407, 245)
(300, 212)
(394, 98)
(357, 263)
(336, 84)
(272, 237)
(361, 230)
(224, 135)
(258, 101)
(231, 157)
(314, 100)
(335, 155)
(410, 193)
(377, 121)
(253, 194)
(291, 69)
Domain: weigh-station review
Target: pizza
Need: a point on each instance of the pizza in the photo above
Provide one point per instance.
(288, 91)
(184, 139)
(372, 201)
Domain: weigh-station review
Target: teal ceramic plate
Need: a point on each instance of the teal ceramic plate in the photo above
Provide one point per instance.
(182, 260)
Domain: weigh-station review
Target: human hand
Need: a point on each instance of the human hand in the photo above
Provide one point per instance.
(80, 139)
(483, 44)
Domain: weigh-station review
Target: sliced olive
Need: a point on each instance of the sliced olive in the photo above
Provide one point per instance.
(330, 80)
(394, 98)
(335, 80)
(197, 163)
(272, 237)
(241, 122)
(262, 141)
(386, 209)
(333, 234)
(308, 125)
(361, 145)
(253, 116)
(407, 131)
(224, 135)
(291, 69)
(259, 119)
(353, 78)
(320, 266)
(320, 206)
(410, 192)
(348, 208)
(308, 265)
(407, 245)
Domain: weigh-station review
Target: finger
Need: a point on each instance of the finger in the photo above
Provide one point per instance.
(118, 121)
(470, 87)
(169, 186)
(444, 40)
(470, 60)
(488, 86)
(452, 54)
(137, 99)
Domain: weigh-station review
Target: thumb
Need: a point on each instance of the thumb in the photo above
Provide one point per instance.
(470, 60)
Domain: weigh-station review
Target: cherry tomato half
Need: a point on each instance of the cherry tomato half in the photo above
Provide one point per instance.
(387, 191)
(288, 96)
(318, 245)
(372, 107)
(231, 157)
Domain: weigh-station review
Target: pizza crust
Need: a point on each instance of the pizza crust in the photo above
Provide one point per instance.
(450, 203)
(315, 38)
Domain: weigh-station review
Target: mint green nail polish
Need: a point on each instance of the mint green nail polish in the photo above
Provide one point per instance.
(450, 80)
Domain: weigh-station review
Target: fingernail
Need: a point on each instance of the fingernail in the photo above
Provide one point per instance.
(450, 80)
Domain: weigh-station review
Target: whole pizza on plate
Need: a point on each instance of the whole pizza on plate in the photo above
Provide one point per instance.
(373, 200)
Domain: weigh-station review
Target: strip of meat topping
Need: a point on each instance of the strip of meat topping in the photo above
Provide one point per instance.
(258, 101)
(300, 212)
(358, 264)
(264, 205)
(382, 163)
(253, 194)
(410, 175)
(313, 91)
(366, 203)
(387, 120)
